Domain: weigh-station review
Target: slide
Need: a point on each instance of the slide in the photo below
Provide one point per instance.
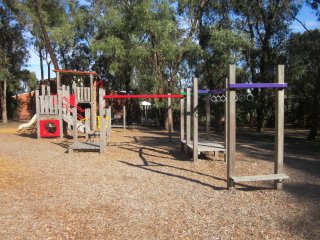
(26, 125)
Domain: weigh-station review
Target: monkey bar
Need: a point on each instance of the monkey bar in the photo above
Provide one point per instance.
(145, 96)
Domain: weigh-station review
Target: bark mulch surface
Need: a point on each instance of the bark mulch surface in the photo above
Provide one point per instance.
(144, 188)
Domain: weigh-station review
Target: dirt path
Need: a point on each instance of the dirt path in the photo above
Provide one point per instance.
(144, 188)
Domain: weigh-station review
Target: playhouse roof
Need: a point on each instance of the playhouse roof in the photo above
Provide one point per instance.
(73, 72)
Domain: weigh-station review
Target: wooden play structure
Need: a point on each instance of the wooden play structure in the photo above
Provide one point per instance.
(59, 112)
(197, 146)
(194, 144)
(278, 176)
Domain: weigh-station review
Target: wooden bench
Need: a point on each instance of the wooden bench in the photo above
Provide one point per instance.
(269, 177)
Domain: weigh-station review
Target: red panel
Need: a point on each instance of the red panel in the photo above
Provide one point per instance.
(72, 100)
(49, 128)
(146, 96)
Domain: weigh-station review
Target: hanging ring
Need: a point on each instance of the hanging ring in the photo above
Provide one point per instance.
(250, 97)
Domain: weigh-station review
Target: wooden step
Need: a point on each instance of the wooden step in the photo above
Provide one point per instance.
(269, 177)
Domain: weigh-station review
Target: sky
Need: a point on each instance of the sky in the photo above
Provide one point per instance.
(306, 16)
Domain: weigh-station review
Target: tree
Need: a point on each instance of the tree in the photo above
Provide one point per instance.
(266, 24)
(13, 54)
(304, 78)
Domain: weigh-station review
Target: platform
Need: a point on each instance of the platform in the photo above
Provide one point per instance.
(86, 146)
(206, 146)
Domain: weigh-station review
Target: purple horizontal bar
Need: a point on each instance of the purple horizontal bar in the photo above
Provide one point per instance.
(204, 91)
(258, 85)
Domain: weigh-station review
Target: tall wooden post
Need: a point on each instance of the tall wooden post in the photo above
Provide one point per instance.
(195, 119)
(279, 127)
(182, 138)
(231, 125)
(188, 128)
(226, 119)
(124, 117)
(38, 113)
(102, 120)
(93, 102)
(75, 124)
(208, 120)
(170, 125)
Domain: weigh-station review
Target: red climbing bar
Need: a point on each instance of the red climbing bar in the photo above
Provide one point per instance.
(145, 96)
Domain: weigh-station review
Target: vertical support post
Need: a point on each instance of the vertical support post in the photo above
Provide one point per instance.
(231, 126)
(59, 103)
(75, 125)
(102, 121)
(109, 122)
(279, 127)
(93, 104)
(170, 127)
(188, 128)
(208, 115)
(38, 113)
(226, 120)
(87, 122)
(124, 117)
(182, 124)
(58, 80)
(195, 119)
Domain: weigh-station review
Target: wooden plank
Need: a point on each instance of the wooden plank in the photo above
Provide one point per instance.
(206, 146)
(84, 146)
(58, 80)
(208, 115)
(195, 119)
(279, 127)
(59, 106)
(43, 90)
(38, 113)
(182, 138)
(188, 127)
(48, 91)
(269, 177)
(231, 139)
(102, 121)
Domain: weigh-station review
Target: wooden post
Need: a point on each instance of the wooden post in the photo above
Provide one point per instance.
(170, 127)
(188, 128)
(38, 113)
(102, 120)
(93, 104)
(58, 80)
(124, 117)
(279, 127)
(208, 115)
(182, 138)
(195, 119)
(75, 125)
(59, 102)
(87, 121)
(231, 138)
(226, 120)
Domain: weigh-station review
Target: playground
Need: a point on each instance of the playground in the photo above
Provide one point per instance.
(144, 187)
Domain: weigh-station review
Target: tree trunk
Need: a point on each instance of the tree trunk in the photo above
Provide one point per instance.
(48, 70)
(3, 91)
(41, 64)
(45, 34)
(315, 113)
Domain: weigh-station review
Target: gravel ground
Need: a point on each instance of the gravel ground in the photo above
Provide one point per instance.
(144, 188)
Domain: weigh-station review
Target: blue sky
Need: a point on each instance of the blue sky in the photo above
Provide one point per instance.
(306, 16)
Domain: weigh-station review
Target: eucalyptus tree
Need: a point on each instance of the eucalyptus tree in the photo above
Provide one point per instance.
(266, 25)
(13, 55)
(304, 79)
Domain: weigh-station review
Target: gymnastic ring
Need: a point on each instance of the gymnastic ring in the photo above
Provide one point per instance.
(236, 98)
(250, 97)
(218, 98)
(223, 98)
(214, 99)
(242, 98)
